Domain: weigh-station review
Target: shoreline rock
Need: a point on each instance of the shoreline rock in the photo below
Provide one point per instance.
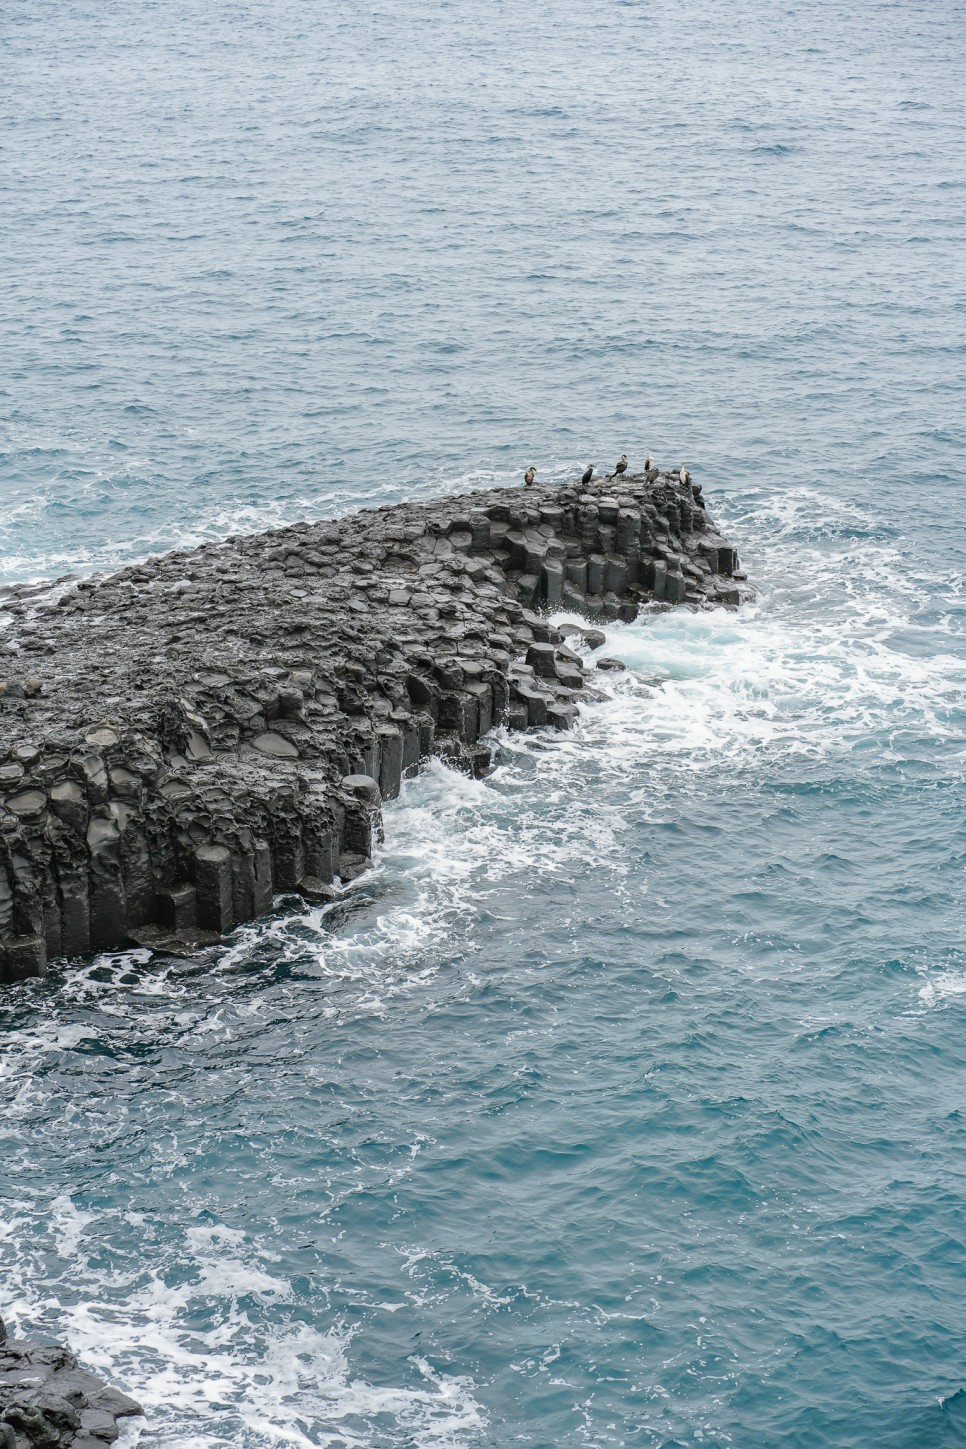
(47, 1401)
(185, 739)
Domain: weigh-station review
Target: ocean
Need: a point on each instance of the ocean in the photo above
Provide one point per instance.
(624, 1102)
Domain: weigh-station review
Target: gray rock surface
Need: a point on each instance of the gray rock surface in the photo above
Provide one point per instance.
(48, 1402)
(181, 741)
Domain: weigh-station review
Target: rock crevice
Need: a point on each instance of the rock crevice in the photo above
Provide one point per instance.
(185, 739)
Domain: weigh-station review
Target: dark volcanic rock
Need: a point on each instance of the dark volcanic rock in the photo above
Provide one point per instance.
(48, 1402)
(183, 740)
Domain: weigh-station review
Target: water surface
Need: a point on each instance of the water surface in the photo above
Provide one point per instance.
(623, 1104)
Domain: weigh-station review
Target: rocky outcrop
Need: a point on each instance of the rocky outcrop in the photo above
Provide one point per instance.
(183, 740)
(48, 1402)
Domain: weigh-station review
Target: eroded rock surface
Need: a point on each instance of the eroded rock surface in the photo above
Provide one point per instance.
(48, 1402)
(184, 739)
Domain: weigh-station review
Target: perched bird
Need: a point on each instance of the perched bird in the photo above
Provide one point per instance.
(529, 475)
(685, 475)
(650, 471)
(587, 475)
(620, 467)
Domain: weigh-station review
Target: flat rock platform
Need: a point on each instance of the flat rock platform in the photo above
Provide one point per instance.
(183, 740)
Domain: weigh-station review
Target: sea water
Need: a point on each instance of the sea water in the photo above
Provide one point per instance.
(624, 1102)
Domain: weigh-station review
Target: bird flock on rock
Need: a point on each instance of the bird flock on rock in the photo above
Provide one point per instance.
(651, 472)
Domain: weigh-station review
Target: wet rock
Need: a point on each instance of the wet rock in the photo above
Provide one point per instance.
(185, 943)
(22, 957)
(47, 1401)
(177, 907)
(561, 716)
(214, 887)
(592, 638)
(542, 660)
(218, 725)
(317, 892)
(352, 866)
(613, 665)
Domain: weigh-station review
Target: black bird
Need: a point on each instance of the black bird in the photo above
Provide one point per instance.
(650, 472)
(620, 467)
(529, 476)
(586, 477)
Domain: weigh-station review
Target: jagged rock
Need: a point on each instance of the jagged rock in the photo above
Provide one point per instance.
(218, 725)
(48, 1402)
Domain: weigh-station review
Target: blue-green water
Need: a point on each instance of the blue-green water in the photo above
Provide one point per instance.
(625, 1103)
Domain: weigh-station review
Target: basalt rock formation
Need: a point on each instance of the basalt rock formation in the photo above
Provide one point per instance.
(48, 1402)
(183, 740)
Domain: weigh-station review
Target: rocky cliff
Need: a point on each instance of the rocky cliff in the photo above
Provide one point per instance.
(184, 739)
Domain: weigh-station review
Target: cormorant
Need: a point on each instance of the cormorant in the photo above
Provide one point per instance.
(620, 467)
(650, 472)
(529, 475)
(585, 479)
(685, 476)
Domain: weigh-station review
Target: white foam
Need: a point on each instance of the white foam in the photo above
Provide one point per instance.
(943, 987)
(297, 1387)
(234, 1381)
(68, 1224)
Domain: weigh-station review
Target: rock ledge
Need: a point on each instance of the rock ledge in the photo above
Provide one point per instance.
(183, 740)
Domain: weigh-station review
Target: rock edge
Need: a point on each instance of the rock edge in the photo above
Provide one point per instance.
(48, 1402)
